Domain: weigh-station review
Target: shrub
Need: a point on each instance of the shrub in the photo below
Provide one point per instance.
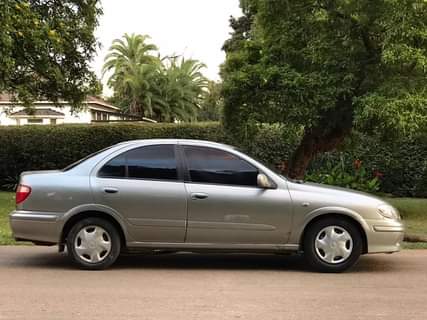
(357, 177)
(403, 163)
(52, 147)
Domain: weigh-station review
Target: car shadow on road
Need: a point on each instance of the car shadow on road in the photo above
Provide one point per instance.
(190, 261)
(271, 262)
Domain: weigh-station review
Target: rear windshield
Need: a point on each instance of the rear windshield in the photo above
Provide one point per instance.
(75, 164)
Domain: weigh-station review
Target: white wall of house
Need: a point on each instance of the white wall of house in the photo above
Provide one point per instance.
(86, 115)
(4, 119)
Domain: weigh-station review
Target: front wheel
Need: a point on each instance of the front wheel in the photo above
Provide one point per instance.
(93, 244)
(332, 245)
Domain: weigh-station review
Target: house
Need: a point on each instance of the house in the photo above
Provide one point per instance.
(45, 112)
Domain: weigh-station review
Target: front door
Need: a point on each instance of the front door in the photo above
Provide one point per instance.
(142, 185)
(225, 204)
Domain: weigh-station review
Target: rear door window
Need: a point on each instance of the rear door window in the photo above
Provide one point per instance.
(157, 162)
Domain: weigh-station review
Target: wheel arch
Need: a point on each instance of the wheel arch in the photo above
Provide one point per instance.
(73, 219)
(356, 221)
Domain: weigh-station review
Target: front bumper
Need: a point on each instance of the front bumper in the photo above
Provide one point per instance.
(35, 226)
(385, 236)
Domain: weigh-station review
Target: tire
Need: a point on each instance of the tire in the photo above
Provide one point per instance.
(332, 245)
(93, 244)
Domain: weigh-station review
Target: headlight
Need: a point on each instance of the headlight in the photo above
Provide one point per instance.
(388, 211)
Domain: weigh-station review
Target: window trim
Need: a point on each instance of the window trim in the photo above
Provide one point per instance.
(187, 176)
(126, 177)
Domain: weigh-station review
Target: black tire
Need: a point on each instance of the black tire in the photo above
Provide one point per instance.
(111, 233)
(314, 258)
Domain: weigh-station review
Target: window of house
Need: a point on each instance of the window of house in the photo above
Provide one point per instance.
(35, 121)
(210, 165)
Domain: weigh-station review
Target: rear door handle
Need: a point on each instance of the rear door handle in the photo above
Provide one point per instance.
(199, 196)
(111, 190)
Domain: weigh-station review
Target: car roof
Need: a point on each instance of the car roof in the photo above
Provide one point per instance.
(205, 143)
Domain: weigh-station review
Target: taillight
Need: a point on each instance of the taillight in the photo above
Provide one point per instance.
(22, 193)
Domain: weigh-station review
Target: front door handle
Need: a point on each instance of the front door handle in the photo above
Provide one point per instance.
(199, 196)
(111, 190)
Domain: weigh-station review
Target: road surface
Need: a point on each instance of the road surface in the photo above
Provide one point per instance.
(38, 283)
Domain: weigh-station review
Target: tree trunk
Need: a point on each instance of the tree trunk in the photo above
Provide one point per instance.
(330, 133)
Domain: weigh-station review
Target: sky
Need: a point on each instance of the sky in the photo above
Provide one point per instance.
(194, 28)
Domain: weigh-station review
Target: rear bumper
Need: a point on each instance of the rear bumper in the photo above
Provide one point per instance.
(385, 236)
(35, 226)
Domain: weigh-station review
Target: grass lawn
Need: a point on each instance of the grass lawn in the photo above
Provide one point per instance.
(7, 204)
(414, 212)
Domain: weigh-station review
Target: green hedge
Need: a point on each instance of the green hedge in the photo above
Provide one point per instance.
(403, 163)
(50, 147)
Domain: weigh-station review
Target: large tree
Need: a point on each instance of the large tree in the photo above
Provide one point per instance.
(182, 88)
(131, 64)
(46, 47)
(212, 103)
(325, 67)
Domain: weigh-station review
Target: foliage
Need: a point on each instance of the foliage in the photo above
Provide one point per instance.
(45, 49)
(356, 178)
(165, 89)
(212, 103)
(54, 147)
(327, 66)
(181, 88)
(132, 64)
(403, 163)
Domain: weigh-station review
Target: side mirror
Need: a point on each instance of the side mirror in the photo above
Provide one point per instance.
(264, 182)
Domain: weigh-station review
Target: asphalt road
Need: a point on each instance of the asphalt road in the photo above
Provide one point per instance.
(38, 283)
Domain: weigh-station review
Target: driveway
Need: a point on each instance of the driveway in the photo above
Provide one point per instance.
(38, 283)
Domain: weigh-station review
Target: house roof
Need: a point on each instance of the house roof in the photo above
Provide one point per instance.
(42, 107)
(6, 99)
(40, 112)
(101, 102)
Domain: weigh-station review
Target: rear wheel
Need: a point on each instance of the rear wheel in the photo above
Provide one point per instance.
(93, 244)
(332, 245)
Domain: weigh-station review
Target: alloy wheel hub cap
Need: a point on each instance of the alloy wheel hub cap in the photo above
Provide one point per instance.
(333, 244)
(92, 244)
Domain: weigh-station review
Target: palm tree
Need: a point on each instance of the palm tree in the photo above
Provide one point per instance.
(131, 63)
(167, 89)
(183, 89)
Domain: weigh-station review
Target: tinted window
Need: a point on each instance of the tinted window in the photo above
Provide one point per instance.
(115, 168)
(208, 165)
(151, 162)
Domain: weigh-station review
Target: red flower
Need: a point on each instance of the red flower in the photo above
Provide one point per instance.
(357, 164)
(378, 174)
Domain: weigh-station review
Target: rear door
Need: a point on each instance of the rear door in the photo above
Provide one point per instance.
(225, 204)
(144, 187)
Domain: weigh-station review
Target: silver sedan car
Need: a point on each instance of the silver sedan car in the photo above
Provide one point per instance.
(196, 196)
